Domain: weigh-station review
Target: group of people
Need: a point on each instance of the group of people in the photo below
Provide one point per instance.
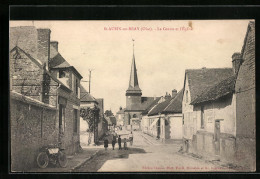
(119, 142)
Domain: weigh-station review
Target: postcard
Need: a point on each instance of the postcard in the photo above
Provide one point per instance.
(132, 96)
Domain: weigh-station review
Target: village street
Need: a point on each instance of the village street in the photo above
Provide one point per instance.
(146, 155)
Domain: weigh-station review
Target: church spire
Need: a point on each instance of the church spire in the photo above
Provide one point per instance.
(133, 82)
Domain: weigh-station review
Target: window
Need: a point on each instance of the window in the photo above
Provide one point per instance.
(202, 117)
(77, 86)
(62, 74)
(186, 96)
(61, 118)
(134, 116)
(75, 130)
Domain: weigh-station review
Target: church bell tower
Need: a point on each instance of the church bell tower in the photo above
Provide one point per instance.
(133, 93)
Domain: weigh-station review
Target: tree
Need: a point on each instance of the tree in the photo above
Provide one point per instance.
(109, 113)
(91, 116)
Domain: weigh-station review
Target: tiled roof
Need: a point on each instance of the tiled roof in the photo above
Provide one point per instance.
(85, 96)
(159, 107)
(221, 89)
(175, 105)
(201, 79)
(58, 62)
(151, 106)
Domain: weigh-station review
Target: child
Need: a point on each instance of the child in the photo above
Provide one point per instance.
(106, 143)
(125, 144)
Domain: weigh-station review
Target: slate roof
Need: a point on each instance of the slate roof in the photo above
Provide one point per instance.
(57, 61)
(159, 107)
(201, 79)
(85, 96)
(175, 105)
(150, 106)
(221, 89)
(133, 82)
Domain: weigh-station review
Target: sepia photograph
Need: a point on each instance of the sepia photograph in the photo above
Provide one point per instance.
(132, 96)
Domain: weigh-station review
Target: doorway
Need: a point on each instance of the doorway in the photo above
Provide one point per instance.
(158, 128)
(217, 137)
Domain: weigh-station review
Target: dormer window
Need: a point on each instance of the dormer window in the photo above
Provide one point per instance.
(62, 74)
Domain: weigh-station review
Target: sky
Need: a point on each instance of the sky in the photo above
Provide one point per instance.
(163, 50)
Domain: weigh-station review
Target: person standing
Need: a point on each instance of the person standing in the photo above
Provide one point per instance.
(125, 144)
(131, 138)
(113, 142)
(106, 143)
(119, 142)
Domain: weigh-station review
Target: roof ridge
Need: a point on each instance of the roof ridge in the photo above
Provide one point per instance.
(194, 69)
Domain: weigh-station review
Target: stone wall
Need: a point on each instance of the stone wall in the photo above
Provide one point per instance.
(245, 108)
(32, 126)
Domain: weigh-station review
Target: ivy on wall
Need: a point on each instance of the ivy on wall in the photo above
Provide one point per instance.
(91, 116)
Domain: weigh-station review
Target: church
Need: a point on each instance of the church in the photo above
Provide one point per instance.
(135, 102)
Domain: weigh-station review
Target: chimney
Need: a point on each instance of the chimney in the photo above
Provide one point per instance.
(43, 43)
(236, 61)
(174, 92)
(167, 96)
(55, 45)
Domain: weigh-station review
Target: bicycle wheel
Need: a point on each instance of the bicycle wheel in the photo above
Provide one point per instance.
(62, 159)
(42, 160)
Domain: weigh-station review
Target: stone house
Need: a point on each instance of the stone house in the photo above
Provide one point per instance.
(195, 81)
(224, 114)
(31, 76)
(120, 116)
(215, 110)
(69, 102)
(164, 119)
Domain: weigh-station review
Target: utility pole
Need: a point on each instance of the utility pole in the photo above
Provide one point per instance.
(89, 79)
